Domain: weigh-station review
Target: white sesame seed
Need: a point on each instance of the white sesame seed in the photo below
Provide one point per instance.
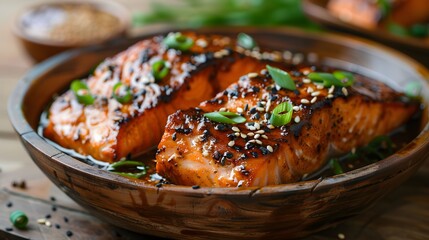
(257, 125)
(344, 90)
(258, 141)
(257, 136)
(306, 80)
(239, 110)
(231, 143)
(267, 107)
(250, 134)
(252, 75)
(263, 102)
(341, 236)
(222, 110)
(297, 119)
(264, 136)
(235, 129)
(269, 148)
(295, 108)
(237, 134)
(319, 86)
(41, 221)
(260, 109)
(313, 94)
(243, 135)
(263, 71)
(48, 223)
(354, 150)
(251, 141)
(218, 54)
(305, 101)
(287, 55)
(205, 153)
(251, 128)
(260, 131)
(202, 43)
(313, 100)
(271, 126)
(310, 90)
(331, 89)
(330, 96)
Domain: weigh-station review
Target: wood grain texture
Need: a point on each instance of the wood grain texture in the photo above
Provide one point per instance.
(284, 211)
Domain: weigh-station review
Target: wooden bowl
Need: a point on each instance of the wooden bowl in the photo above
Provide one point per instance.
(418, 49)
(281, 211)
(42, 48)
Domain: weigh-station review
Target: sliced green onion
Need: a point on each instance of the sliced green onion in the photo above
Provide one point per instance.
(128, 164)
(225, 117)
(346, 78)
(245, 41)
(385, 7)
(178, 41)
(419, 30)
(82, 92)
(338, 78)
(160, 70)
(413, 89)
(19, 219)
(282, 114)
(282, 78)
(397, 29)
(122, 93)
(335, 166)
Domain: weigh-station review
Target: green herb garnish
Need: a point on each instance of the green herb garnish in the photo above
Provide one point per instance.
(122, 93)
(225, 117)
(413, 89)
(282, 78)
(337, 78)
(245, 41)
(129, 165)
(19, 219)
(335, 166)
(160, 70)
(82, 92)
(282, 114)
(178, 41)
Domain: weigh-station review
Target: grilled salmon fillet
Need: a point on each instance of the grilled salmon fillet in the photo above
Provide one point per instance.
(326, 121)
(109, 130)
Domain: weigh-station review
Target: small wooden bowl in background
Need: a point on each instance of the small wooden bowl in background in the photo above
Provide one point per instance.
(42, 48)
(272, 212)
(416, 48)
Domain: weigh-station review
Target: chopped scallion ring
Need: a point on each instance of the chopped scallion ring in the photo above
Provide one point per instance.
(136, 165)
(225, 117)
(178, 41)
(413, 89)
(338, 78)
(19, 219)
(282, 114)
(335, 166)
(160, 70)
(122, 93)
(245, 41)
(82, 92)
(282, 78)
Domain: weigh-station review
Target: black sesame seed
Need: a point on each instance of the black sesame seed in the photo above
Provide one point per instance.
(195, 187)
(222, 160)
(66, 219)
(254, 154)
(243, 156)
(9, 204)
(237, 148)
(264, 150)
(48, 216)
(245, 172)
(220, 127)
(158, 185)
(69, 233)
(296, 92)
(57, 226)
(174, 136)
(246, 107)
(229, 155)
(216, 155)
(9, 229)
(267, 115)
(252, 110)
(54, 208)
(255, 89)
(273, 98)
(256, 116)
(231, 136)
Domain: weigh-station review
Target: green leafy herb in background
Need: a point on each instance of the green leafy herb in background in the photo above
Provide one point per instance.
(198, 13)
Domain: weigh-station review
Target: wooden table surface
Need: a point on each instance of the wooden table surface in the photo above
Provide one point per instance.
(403, 214)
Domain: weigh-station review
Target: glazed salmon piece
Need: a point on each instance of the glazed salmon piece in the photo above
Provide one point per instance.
(326, 122)
(109, 130)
